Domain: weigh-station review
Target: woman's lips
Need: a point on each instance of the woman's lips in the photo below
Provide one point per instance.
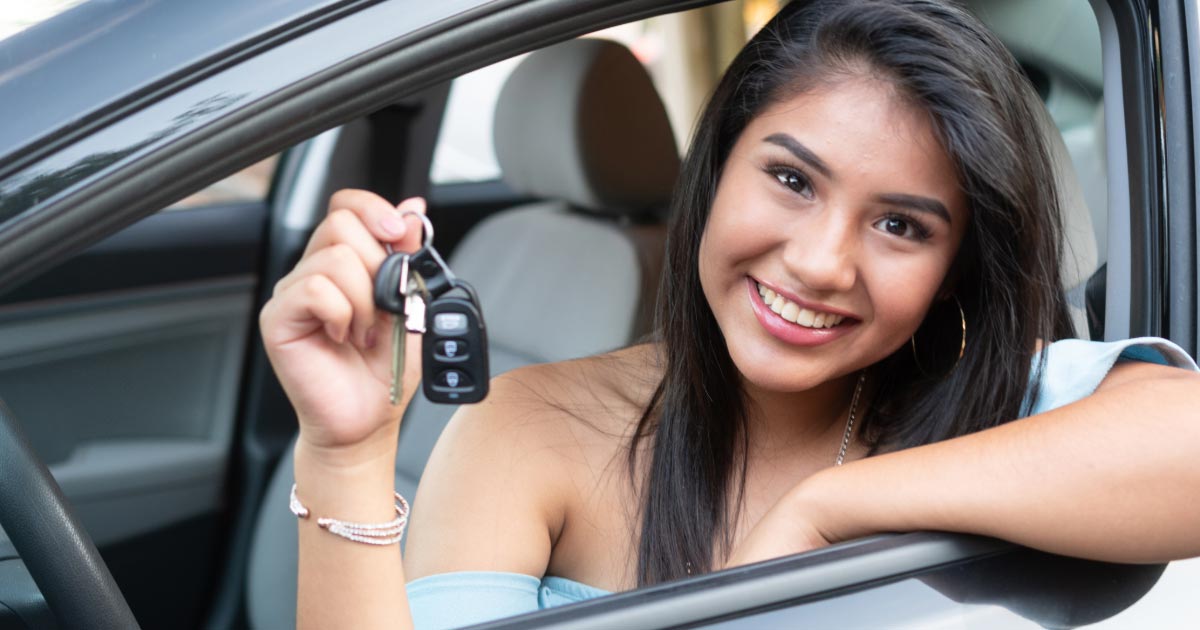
(793, 333)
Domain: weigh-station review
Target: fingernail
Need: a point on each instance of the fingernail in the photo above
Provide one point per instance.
(417, 203)
(393, 225)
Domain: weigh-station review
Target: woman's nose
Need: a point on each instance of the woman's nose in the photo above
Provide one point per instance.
(820, 253)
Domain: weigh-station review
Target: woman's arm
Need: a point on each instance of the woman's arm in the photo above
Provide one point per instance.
(345, 584)
(491, 495)
(1113, 477)
(331, 351)
(484, 503)
(488, 502)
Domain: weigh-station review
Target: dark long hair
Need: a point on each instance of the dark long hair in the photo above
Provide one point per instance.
(984, 111)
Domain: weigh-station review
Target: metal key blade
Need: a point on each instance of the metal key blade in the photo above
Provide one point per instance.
(414, 321)
(399, 336)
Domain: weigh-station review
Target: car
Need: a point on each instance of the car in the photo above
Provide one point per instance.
(129, 358)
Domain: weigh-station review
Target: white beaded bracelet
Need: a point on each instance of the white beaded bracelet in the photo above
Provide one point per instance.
(387, 533)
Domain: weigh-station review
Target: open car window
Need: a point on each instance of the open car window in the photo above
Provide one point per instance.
(250, 184)
(1061, 48)
(665, 45)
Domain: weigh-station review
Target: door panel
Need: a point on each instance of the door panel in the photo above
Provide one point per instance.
(125, 365)
(130, 398)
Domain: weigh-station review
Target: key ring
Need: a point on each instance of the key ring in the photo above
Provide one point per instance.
(427, 234)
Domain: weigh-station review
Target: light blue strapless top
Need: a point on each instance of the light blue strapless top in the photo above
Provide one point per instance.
(1073, 370)
(451, 600)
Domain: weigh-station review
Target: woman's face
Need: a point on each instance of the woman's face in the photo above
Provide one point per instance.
(835, 222)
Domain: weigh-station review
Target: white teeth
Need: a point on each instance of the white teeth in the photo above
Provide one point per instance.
(792, 312)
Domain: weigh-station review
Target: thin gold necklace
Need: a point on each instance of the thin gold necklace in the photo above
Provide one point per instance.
(862, 377)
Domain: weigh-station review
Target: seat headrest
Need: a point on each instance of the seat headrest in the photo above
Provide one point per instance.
(1080, 256)
(581, 121)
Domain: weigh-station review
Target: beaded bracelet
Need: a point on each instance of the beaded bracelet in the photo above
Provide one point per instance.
(370, 533)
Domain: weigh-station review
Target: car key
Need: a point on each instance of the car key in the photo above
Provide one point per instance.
(454, 355)
(422, 290)
(399, 336)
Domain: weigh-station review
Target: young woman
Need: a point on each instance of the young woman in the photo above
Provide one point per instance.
(863, 269)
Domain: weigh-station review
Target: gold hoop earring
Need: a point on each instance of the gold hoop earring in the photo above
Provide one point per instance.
(962, 347)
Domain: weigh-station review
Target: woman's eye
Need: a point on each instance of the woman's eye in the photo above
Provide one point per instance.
(793, 179)
(903, 227)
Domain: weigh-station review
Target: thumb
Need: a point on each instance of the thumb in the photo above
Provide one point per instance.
(414, 233)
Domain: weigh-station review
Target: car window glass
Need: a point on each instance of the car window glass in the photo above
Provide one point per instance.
(252, 183)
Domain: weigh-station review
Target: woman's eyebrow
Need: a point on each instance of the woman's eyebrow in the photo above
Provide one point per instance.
(920, 204)
(801, 152)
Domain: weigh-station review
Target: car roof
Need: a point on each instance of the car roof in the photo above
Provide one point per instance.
(102, 52)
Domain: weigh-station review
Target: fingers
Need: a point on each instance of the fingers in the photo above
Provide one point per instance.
(352, 226)
(297, 311)
(414, 228)
(383, 221)
(344, 227)
(340, 265)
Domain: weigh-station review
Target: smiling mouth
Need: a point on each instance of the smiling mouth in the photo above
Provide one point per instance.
(796, 314)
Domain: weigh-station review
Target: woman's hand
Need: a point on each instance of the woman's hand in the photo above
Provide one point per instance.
(794, 525)
(329, 346)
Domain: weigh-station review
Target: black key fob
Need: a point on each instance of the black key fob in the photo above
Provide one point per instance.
(454, 351)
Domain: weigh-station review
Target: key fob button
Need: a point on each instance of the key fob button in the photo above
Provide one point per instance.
(454, 379)
(451, 350)
(450, 323)
(454, 352)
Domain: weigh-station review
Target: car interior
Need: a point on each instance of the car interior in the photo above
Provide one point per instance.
(565, 252)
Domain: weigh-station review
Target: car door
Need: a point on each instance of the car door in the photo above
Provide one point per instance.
(163, 308)
(134, 362)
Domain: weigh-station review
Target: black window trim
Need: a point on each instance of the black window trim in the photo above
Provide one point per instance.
(752, 588)
(1142, 45)
(1178, 76)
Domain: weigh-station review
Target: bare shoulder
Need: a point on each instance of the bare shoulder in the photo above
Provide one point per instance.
(495, 493)
(600, 391)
